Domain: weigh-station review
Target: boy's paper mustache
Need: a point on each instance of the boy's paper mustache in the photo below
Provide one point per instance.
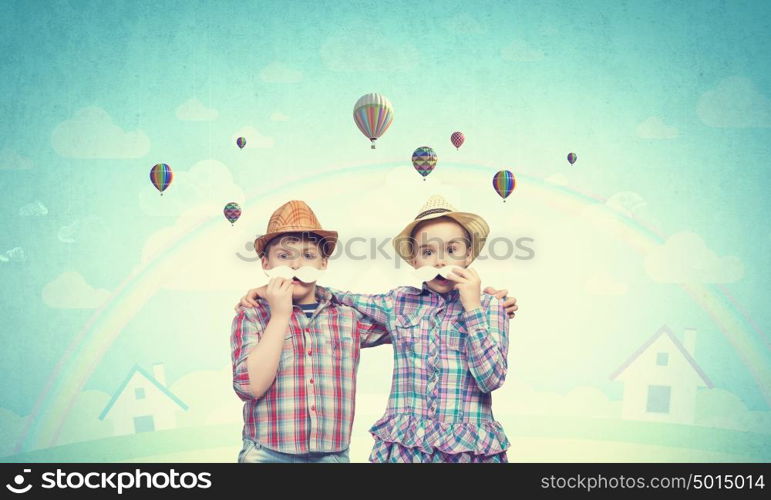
(427, 273)
(306, 274)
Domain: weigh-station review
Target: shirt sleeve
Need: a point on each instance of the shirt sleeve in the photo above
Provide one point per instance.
(487, 344)
(376, 308)
(246, 332)
(371, 333)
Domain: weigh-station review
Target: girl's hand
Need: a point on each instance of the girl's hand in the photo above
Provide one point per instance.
(509, 303)
(468, 283)
(279, 297)
(250, 299)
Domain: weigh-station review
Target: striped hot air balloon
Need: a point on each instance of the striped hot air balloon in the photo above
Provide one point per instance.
(373, 115)
(457, 139)
(424, 160)
(572, 157)
(232, 212)
(504, 183)
(161, 176)
(241, 142)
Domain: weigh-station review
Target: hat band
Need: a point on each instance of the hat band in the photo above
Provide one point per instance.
(431, 212)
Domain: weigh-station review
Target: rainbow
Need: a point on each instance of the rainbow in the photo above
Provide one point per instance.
(89, 345)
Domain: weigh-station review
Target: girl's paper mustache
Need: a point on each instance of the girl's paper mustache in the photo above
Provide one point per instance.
(306, 274)
(427, 273)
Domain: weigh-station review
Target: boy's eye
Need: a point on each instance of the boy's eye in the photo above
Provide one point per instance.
(427, 252)
(310, 256)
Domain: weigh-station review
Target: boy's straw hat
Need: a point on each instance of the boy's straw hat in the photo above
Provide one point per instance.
(295, 217)
(435, 207)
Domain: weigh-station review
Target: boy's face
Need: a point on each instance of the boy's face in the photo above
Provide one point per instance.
(295, 253)
(438, 244)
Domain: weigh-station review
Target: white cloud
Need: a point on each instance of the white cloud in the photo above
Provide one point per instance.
(684, 258)
(521, 51)
(280, 73)
(655, 128)
(604, 284)
(254, 138)
(78, 228)
(11, 160)
(363, 47)
(34, 209)
(195, 111)
(558, 179)
(581, 401)
(735, 102)
(91, 133)
(13, 255)
(70, 291)
(208, 182)
(279, 117)
(464, 24)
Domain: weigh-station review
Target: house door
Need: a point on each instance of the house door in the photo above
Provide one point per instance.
(144, 423)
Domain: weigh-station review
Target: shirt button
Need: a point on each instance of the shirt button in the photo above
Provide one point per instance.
(311, 381)
(309, 352)
(313, 408)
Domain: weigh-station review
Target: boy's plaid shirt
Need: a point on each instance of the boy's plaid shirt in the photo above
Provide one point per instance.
(447, 361)
(310, 406)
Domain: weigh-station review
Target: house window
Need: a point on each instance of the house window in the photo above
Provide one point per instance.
(144, 423)
(662, 358)
(658, 398)
(139, 393)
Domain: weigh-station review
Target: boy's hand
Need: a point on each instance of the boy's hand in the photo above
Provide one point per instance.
(250, 299)
(509, 303)
(279, 297)
(468, 283)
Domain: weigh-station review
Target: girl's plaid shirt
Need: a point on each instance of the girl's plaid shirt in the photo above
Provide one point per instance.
(447, 361)
(310, 406)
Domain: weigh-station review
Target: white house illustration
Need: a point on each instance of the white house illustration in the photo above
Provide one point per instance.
(142, 403)
(661, 379)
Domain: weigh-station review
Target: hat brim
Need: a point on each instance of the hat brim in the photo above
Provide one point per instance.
(474, 224)
(329, 237)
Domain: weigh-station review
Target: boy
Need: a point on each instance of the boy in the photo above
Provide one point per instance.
(295, 353)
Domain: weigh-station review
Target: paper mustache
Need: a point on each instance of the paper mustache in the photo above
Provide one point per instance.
(427, 273)
(306, 274)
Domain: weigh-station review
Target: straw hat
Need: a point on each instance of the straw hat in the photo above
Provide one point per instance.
(295, 217)
(436, 207)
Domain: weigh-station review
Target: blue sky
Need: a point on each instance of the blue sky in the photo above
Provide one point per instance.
(526, 83)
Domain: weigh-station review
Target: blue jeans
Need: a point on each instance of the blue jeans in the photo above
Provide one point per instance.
(255, 453)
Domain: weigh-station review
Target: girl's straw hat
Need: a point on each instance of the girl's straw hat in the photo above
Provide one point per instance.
(435, 207)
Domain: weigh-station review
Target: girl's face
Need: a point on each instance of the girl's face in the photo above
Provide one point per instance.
(441, 243)
(295, 253)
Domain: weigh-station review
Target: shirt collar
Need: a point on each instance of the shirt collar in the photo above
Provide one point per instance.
(450, 296)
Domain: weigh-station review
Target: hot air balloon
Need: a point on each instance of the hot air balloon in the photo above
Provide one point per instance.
(232, 212)
(424, 160)
(373, 115)
(572, 157)
(457, 139)
(504, 183)
(161, 176)
(241, 141)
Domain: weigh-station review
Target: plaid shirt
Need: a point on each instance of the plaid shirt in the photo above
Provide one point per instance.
(446, 363)
(310, 406)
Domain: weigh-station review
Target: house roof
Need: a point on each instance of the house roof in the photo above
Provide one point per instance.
(149, 377)
(664, 330)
